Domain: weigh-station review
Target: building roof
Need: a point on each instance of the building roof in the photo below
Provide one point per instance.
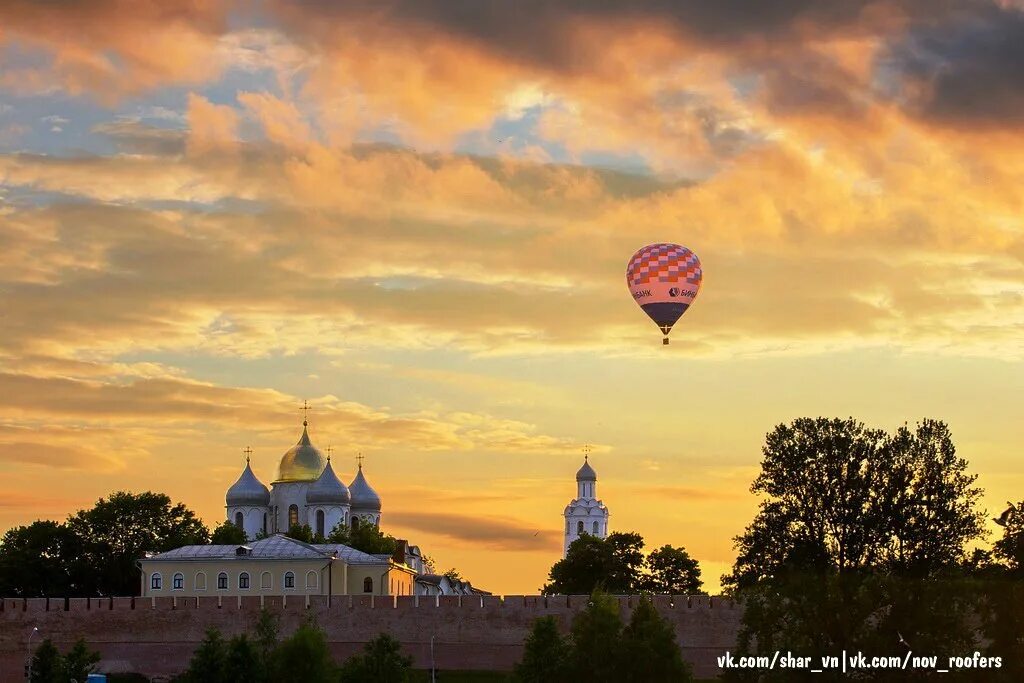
(586, 473)
(363, 495)
(303, 461)
(276, 547)
(328, 488)
(248, 490)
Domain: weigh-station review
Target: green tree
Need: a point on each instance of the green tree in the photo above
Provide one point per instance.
(266, 634)
(242, 663)
(596, 640)
(209, 661)
(47, 665)
(228, 533)
(650, 653)
(453, 575)
(366, 537)
(117, 531)
(672, 571)
(300, 532)
(612, 564)
(303, 657)
(1010, 548)
(38, 560)
(381, 661)
(545, 654)
(80, 661)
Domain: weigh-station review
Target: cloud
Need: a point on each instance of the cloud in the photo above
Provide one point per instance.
(499, 533)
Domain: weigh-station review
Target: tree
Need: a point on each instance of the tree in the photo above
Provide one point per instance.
(266, 632)
(650, 653)
(381, 661)
(228, 533)
(242, 663)
(117, 531)
(611, 564)
(303, 657)
(596, 636)
(80, 661)
(453, 575)
(672, 571)
(1010, 548)
(367, 538)
(209, 661)
(300, 532)
(545, 654)
(38, 560)
(47, 665)
(844, 498)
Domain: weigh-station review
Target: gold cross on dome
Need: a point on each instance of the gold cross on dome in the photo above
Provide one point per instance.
(586, 452)
(248, 452)
(330, 450)
(359, 459)
(305, 410)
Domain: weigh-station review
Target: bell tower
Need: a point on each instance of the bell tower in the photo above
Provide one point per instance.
(585, 514)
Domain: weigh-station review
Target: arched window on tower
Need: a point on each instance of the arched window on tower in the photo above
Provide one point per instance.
(320, 523)
(293, 516)
(595, 528)
(579, 528)
(239, 520)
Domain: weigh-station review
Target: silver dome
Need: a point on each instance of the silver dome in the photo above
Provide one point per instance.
(586, 473)
(248, 490)
(302, 462)
(328, 489)
(363, 495)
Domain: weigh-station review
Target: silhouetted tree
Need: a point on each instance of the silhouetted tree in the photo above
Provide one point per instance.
(228, 533)
(366, 537)
(381, 661)
(596, 639)
(242, 663)
(650, 653)
(672, 571)
(209, 661)
(612, 564)
(300, 532)
(80, 661)
(545, 654)
(1009, 549)
(38, 560)
(47, 665)
(303, 657)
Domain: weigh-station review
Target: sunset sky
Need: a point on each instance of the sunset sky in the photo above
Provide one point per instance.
(416, 214)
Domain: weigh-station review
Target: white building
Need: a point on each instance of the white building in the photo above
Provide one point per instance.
(585, 514)
(306, 491)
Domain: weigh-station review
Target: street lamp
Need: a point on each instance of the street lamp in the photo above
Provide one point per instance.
(433, 667)
(28, 653)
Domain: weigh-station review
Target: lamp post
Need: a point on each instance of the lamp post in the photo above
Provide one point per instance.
(433, 667)
(28, 653)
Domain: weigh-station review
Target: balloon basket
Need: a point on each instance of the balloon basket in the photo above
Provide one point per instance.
(665, 341)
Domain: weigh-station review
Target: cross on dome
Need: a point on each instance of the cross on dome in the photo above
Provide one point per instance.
(305, 412)
(248, 451)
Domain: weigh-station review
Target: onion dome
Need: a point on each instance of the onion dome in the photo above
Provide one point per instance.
(363, 495)
(248, 490)
(586, 473)
(328, 489)
(303, 461)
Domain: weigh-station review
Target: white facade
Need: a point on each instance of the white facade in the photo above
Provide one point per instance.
(585, 514)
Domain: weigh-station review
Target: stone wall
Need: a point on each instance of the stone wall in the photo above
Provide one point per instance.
(156, 636)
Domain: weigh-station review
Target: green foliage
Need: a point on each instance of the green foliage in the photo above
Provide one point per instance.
(841, 497)
(300, 532)
(80, 661)
(37, 560)
(545, 654)
(228, 533)
(1010, 548)
(453, 574)
(366, 537)
(47, 664)
(116, 532)
(612, 564)
(303, 657)
(265, 636)
(672, 571)
(380, 662)
(242, 663)
(596, 637)
(208, 664)
(650, 653)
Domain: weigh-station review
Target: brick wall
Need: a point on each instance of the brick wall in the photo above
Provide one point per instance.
(156, 636)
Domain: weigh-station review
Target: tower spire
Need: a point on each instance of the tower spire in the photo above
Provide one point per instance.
(330, 450)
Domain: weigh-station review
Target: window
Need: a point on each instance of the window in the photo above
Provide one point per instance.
(155, 582)
(567, 526)
(320, 522)
(222, 581)
(579, 527)
(264, 522)
(266, 580)
(289, 580)
(367, 585)
(355, 523)
(243, 580)
(200, 582)
(311, 581)
(178, 582)
(293, 516)
(595, 528)
(239, 520)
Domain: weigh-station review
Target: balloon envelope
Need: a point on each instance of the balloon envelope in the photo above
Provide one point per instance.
(664, 279)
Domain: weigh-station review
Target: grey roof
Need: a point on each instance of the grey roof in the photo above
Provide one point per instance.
(276, 547)
(248, 490)
(363, 495)
(328, 488)
(303, 461)
(586, 473)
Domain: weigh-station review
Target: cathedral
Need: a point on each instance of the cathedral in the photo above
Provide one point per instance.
(306, 491)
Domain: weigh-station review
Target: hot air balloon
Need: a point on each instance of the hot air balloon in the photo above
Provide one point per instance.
(664, 279)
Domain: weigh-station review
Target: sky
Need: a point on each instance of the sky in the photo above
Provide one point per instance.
(416, 215)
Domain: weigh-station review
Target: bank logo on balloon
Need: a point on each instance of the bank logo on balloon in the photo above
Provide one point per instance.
(667, 277)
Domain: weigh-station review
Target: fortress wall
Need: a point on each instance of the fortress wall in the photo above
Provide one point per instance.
(156, 636)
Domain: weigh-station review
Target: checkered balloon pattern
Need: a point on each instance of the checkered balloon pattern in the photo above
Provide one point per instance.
(664, 263)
